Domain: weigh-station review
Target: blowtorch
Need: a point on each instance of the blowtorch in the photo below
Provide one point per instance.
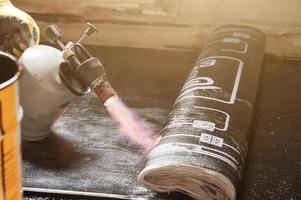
(81, 72)
(52, 77)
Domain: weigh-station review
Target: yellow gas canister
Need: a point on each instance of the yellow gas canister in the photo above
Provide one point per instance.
(10, 117)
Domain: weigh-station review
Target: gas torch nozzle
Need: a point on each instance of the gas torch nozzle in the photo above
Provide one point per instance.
(104, 91)
(92, 73)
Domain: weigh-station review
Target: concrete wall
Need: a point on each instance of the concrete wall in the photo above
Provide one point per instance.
(171, 24)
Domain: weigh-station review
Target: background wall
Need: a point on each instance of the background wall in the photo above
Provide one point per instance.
(171, 24)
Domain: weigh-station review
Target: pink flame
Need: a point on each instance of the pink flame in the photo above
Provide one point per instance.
(130, 124)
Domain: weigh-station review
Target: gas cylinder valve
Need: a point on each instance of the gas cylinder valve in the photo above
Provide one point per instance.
(81, 72)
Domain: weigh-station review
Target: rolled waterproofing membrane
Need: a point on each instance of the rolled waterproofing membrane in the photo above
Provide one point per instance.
(204, 143)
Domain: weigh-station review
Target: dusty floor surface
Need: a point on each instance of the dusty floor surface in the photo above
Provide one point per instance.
(87, 154)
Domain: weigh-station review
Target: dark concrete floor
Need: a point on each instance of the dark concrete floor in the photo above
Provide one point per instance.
(79, 155)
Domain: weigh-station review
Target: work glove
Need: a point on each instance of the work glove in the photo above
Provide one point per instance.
(18, 30)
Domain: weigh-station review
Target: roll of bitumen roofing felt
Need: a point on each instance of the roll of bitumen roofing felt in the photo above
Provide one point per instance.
(204, 143)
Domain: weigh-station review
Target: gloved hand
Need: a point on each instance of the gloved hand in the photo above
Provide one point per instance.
(18, 30)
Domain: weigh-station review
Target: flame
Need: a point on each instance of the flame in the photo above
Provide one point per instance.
(130, 124)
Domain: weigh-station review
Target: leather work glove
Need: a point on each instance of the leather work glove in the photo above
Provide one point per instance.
(18, 30)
